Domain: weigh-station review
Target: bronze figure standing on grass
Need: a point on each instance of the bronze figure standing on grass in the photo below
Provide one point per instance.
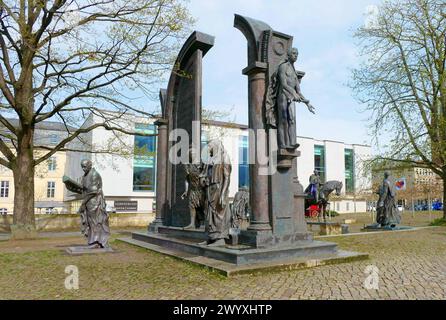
(94, 217)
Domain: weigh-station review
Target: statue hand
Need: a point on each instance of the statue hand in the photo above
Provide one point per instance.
(184, 195)
(310, 108)
(297, 98)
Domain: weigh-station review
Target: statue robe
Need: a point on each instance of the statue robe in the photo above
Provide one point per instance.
(386, 209)
(218, 216)
(94, 217)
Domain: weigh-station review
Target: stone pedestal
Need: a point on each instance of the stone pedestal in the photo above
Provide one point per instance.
(79, 250)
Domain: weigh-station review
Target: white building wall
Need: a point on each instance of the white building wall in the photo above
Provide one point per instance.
(335, 162)
(116, 170)
(305, 163)
(363, 174)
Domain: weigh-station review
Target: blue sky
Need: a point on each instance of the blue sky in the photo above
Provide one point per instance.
(322, 32)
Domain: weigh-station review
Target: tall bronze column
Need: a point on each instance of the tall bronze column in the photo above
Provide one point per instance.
(161, 173)
(258, 144)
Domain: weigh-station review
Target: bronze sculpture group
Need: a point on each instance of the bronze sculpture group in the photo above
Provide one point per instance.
(318, 193)
(207, 187)
(207, 182)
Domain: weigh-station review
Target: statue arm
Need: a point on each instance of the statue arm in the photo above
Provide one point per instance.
(226, 174)
(74, 189)
(186, 188)
(72, 185)
(303, 99)
(96, 185)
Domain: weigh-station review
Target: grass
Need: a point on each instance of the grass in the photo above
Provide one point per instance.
(441, 222)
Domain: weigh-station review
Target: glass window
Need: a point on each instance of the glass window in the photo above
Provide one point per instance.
(4, 189)
(52, 164)
(243, 167)
(204, 138)
(144, 160)
(3, 211)
(319, 161)
(143, 178)
(349, 171)
(51, 189)
(54, 139)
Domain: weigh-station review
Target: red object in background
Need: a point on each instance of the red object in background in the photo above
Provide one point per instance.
(400, 184)
(312, 211)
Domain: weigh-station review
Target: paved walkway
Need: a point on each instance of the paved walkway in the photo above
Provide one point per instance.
(402, 265)
(64, 234)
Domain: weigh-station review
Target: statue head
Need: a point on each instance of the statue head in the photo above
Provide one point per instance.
(86, 165)
(386, 174)
(316, 172)
(338, 188)
(217, 153)
(293, 53)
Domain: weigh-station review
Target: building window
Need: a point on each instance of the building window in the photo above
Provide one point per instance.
(347, 206)
(4, 189)
(3, 211)
(54, 139)
(337, 206)
(243, 167)
(349, 171)
(144, 158)
(52, 164)
(51, 189)
(319, 161)
(205, 138)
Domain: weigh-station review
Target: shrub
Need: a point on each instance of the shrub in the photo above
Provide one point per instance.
(438, 222)
(332, 213)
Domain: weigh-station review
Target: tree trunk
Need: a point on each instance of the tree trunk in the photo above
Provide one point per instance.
(444, 196)
(23, 169)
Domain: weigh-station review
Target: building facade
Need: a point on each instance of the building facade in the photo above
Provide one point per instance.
(127, 165)
(48, 186)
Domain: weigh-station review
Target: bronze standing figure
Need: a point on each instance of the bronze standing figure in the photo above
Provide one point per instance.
(386, 211)
(217, 213)
(194, 192)
(94, 217)
(283, 91)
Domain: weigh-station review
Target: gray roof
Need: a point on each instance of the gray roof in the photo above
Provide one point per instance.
(45, 125)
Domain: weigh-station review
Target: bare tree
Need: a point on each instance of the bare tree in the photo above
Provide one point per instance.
(62, 59)
(402, 81)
